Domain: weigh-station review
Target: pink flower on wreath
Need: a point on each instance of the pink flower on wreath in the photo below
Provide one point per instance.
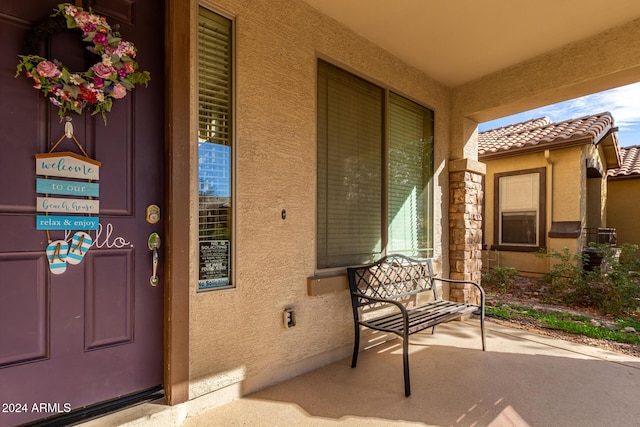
(48, 69)
(81, 18)
(100, 38)
(119, 91)
(127, 48)
(102, 70)
(99, 20)
(123, 48)
(88, 28)
(70, 10)
(125, 70)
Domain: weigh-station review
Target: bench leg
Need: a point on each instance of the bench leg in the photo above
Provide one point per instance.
(482, 332)
(405, 363)
(356, 346)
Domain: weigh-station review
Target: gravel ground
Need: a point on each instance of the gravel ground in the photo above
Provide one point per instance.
(527, 293)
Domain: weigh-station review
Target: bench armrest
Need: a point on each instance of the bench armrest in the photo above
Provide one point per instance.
(482, 295)
(460, 281)
(399, 305)
(381, 300)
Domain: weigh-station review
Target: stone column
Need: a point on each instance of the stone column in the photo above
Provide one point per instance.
(465, 226)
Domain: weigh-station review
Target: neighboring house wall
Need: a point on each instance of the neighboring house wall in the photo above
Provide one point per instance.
(622, 209)
(597, 192)
(502, 258)
(623, 194)
(571, 196)
(563, 202)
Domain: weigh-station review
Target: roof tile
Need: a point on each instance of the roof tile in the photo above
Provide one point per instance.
(629, 164)
(541, 131)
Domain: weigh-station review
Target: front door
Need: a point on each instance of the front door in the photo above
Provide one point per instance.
(93, 332)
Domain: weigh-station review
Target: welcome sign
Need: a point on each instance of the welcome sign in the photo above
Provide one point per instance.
(79, 171)
(67, 165)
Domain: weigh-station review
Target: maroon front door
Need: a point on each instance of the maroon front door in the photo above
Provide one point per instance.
(94, 332)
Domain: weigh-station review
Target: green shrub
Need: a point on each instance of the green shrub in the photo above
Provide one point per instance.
(500, 279)
(566, 273)
(612, 288)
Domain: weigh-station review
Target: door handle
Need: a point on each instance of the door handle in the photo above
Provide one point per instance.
(154, 243)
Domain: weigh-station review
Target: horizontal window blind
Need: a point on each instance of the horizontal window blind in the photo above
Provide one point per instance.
(214, 78)
(410, 200)
(375, 182)
(214, 149)
(349, 186)
(519, 192)
(519, 205)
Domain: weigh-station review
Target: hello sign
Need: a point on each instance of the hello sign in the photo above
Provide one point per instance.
(81, 171)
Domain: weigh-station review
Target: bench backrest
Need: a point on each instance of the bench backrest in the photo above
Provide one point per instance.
(392, 277)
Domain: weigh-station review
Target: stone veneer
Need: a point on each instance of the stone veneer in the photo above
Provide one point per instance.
(465, 227)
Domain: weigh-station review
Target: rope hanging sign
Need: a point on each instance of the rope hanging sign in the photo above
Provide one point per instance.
(73, 178)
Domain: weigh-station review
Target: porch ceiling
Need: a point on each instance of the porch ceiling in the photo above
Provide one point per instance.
(458, 41)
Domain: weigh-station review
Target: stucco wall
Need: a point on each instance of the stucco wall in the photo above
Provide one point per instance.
(596, 188)
(237, 336)
(622, 210)
(565, 201)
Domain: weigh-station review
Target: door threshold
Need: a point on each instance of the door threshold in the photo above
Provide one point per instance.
(97, 410)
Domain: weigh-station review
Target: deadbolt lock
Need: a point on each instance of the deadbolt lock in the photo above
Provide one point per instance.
(153, 214)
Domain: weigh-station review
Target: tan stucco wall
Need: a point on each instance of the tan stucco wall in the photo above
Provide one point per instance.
(596, 189)
(565, 201)
(237, 336)
(622, 209)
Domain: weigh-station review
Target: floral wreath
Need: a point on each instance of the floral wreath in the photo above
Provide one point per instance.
(104, 81)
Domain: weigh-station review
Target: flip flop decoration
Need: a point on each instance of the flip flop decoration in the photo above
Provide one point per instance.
(57, 256)
(80, 244)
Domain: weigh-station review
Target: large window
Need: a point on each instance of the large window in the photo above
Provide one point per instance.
(520, 213)
(375, 172)
(214, 150)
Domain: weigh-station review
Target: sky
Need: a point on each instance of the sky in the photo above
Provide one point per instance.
(623, 103)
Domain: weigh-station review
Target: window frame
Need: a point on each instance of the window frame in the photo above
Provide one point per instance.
(231, 128)
(384, 148)
(541, 223)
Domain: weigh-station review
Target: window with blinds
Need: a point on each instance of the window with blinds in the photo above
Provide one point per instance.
(349, 168)
(519, 202)
(410, 192)
(374, 187)
(520, 209)
(214, 149)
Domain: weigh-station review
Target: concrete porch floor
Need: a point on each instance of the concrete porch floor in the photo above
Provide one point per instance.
(523, 379)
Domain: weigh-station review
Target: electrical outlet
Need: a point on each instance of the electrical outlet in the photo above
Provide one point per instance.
(289, 318)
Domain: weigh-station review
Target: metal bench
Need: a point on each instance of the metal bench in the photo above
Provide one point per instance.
(398, 281)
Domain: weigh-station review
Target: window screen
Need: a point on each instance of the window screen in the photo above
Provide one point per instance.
(214, 149)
